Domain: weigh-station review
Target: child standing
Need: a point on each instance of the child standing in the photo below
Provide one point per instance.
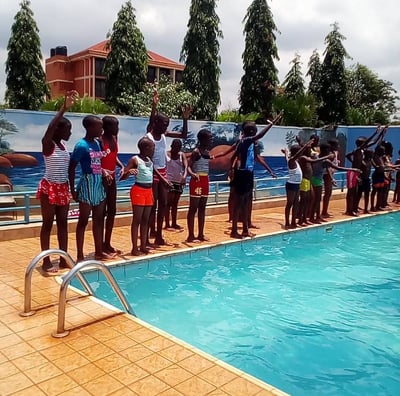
(198, 169)
(176, 174)
(141, 193)
(53, 190)
(109, 163)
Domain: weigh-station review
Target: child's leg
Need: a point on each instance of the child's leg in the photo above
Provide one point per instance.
(193, 206)
(202, 218)
(136, 222)
(161, 206)
(84, 212)
(327, 194)
(97, 231)
(295, 208)
(168, 209)
(62, 231)
(174, 209)
(48, 212)
(144, 227)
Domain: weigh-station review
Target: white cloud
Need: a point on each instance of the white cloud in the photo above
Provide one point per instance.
(371, 29)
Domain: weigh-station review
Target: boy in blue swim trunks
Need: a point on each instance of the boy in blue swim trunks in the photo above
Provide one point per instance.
(90, 192)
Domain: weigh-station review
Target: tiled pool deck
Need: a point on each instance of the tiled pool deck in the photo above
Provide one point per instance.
(107, 352)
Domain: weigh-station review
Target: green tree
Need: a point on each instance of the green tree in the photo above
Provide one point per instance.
(26, 79)
(333, 79)
(314, 72)
(260, 74)
(370, 99)
(200, 53)
(293, 84)
(126, 64)
(172, 97)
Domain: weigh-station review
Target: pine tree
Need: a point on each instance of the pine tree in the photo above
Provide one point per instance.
(260, 74)
(333, 79)
(200, 53)
(126, 63)
(314, 72)
(26, 79)
(294, 81)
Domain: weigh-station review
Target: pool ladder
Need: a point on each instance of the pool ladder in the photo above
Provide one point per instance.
(75, 270)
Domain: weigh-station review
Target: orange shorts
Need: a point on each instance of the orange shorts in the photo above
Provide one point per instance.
(199, 188)
(141, 196)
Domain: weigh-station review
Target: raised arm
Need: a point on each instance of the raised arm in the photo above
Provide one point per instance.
(47, 140)
(263, 132)
(186, 111)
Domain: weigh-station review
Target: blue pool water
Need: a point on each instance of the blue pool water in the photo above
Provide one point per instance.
(314, 312)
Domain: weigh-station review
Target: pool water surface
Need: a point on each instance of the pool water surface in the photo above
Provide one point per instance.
(311, 312)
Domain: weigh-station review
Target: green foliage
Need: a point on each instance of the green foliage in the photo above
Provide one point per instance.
(82, 105)
(260, 74)
(370, 100)
(233, 115)
(126, 64)
(294, 82)
(172, 98)
(200, 53)
(314, 72)
(333, 92)
(297, 111)
(26, 80)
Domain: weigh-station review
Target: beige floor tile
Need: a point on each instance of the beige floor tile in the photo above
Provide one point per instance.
(56, 351)
(9, 340)
(121, 342)
(154, 363)
(96, 352)
(196, 364)
(176, 353)
(56, 385)
(85, 374)
(173, 375)
(195, 386)
(7, 369)
(171, 392)
(158, 343)
(14, 383)
(217, 376)
(149, 386)
(43, 372)
(70, 362)
(30, 391)
(29, 361)
(17, 350)
(77, 391)
(239, 386)
(112, 362)
(136, 352)
(129, 374)
(106, 384)
(5, 330)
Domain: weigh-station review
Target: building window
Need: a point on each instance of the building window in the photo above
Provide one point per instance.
(100, 88)
(151, 74)
(99, 66)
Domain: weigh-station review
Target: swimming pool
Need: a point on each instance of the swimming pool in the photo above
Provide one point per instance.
(311, 312)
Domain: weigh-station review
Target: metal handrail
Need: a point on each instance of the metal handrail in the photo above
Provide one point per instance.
(28, 277)
(61, 332)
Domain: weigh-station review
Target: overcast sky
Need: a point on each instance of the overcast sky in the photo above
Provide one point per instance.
(372, 29)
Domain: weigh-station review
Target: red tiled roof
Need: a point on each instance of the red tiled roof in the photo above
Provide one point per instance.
(155, 58)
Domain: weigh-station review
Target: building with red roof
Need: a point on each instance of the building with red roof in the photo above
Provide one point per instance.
(83, 71)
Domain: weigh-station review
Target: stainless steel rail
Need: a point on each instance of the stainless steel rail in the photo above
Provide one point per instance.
(28, 277)
(61, 332)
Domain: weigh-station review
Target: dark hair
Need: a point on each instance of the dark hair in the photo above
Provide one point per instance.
(63, 122)
(177, 141)
(109, 121)
(360, 141)
(90, 120)
(143, 142)
(249, 128)
(388, 148)
(294, 149)
(333, 143)
(324, 149)
(203, 134)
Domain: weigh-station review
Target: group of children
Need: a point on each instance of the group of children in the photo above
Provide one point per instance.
(311, 168)
(160, 177)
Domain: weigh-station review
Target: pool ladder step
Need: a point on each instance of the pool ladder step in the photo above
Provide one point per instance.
(75, 271)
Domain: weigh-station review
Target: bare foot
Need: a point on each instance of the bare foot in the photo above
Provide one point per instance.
(137, 253)
(202, 238)
(110, 249)
(104, 256)
(248, 235)
(236, 235)
(49, 268)
(254, 226)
